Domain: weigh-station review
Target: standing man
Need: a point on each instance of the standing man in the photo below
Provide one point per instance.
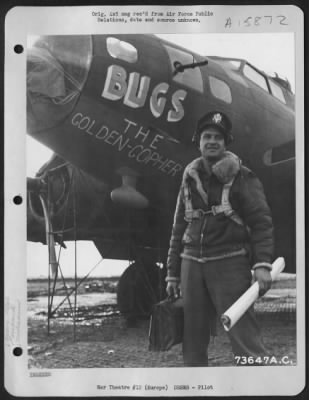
(222, 228)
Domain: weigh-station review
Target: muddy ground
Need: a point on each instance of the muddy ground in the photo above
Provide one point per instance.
(115, 345)
(102, 338)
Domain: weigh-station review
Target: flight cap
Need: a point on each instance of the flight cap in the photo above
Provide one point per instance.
(218, 120)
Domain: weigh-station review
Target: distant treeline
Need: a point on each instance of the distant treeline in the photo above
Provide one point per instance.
(67, 279)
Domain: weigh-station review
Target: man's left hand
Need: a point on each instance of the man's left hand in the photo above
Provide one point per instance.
(263, 277)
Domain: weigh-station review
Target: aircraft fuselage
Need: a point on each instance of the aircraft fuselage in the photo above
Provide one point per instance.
(121, 105)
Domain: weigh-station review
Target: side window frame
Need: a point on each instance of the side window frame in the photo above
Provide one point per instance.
(267, 89)
(215, 94)
(280, 154)
(116, 49)
(192, 77)
(273, 84)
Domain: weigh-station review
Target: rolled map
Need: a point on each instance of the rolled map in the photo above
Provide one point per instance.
(237, 310)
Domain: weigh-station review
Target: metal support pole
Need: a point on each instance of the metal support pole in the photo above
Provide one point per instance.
(52, 260)
(75, 258)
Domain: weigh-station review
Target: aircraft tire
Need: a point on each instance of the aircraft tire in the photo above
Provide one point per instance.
(138, 290)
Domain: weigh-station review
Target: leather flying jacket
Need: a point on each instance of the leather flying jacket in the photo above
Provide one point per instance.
(217, 236)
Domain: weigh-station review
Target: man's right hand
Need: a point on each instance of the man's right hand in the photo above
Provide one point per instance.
(173, 289)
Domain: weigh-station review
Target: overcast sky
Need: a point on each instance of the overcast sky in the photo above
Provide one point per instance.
(268, 52)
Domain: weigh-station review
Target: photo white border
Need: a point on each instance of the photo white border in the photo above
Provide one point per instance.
(227, 381)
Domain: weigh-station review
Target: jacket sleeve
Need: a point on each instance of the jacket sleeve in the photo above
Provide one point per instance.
(257, 215)
(179, 227)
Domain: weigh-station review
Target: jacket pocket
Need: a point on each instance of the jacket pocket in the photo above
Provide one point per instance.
(192, 232)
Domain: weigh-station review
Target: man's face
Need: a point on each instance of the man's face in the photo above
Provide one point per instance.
(212, 145)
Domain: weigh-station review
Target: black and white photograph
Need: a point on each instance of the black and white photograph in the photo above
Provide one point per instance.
(154, 221)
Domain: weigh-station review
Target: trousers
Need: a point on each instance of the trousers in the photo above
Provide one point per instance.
(209, 289)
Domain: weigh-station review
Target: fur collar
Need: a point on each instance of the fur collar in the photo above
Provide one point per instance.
(225, 170)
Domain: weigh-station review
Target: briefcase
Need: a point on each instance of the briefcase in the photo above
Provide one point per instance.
(166, 324)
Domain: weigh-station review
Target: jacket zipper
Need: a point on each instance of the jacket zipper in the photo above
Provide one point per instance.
(202, 235)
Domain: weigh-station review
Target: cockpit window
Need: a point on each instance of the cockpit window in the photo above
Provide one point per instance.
(256, 77)
(234, 64)
(220, 89)
(229, 63)
(190, 77)
(277, 91)
(121, 50)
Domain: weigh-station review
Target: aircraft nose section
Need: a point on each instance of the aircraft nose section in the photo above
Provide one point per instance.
(57, 68)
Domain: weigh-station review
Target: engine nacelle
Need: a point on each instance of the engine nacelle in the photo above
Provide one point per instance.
(73, 197)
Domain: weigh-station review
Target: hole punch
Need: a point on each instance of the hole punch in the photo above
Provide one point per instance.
(17, 351)
(18, 49)
(17, 200)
